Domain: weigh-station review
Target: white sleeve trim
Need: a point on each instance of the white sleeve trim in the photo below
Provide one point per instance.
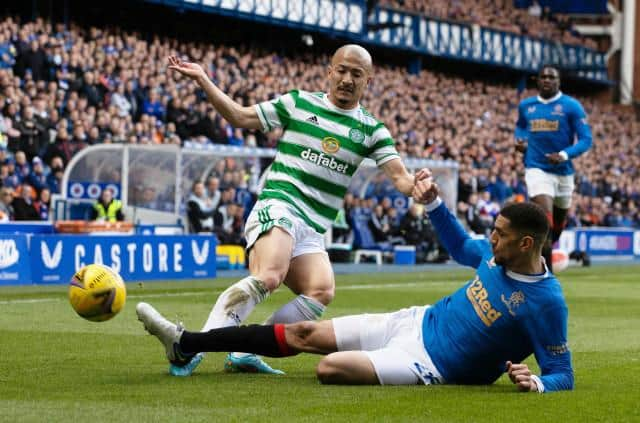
(433, 205)
(263, 118)
(388, 158)
(564, 155)
(539, 383)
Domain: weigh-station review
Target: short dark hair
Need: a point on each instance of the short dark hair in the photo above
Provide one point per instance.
(550, 66)
(528, 219)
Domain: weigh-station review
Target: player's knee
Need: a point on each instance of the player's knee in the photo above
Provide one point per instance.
(323, 294)
(272, 278)
(321, 289)
(328, 371)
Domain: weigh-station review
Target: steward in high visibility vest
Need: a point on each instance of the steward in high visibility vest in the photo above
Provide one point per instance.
(107, 209)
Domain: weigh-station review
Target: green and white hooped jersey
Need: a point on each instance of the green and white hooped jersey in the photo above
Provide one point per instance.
(320, 150)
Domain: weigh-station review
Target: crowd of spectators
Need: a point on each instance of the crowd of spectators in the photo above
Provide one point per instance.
(64, 88)
(388, 225)
(535, 21)
(220, 205)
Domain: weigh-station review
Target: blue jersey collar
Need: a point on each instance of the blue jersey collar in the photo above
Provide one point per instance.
(520, 277)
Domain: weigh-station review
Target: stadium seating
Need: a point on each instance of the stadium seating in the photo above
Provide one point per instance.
(363, 242)
(500, 14)
(78, 98)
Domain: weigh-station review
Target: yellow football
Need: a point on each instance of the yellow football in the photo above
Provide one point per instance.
(97, 292)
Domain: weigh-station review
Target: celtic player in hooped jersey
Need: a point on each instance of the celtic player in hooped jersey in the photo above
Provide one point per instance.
(325, 138)
(319, 152)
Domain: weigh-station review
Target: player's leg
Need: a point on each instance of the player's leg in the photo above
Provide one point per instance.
(284, 340)
(383, 349)
(546, 202)
(561, 205)
(311, 278)
(395, 365)
(541, 188)
(559, 221)
(315, 290)
(272, 340)
(352, 335)
(268, 264)
(347, 368)
(270, 247)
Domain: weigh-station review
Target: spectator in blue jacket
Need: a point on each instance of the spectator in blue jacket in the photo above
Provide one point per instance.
(37, 178)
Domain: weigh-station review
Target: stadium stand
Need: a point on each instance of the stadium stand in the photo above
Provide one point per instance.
(535, 21)
(63, 88)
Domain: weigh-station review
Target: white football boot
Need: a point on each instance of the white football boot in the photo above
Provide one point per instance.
(167, 332)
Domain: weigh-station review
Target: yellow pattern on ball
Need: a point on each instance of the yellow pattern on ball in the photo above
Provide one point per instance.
(97, 292)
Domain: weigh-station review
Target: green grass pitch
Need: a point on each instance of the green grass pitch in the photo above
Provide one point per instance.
(54, 366)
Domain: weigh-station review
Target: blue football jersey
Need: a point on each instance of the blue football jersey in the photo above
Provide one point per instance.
(551, 126)
(496, 317)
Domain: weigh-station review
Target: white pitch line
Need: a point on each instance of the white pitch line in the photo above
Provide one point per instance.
(29, 301)
(193, 293)
(52, 300)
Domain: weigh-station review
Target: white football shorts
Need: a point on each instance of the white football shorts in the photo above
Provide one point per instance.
(269, 213)
(559, 187)
(393, 343)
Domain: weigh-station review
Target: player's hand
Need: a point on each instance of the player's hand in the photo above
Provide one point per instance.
(425, 191)
(521, 146)
(554, 158)
(520, 375)
(192, 70)
(422, 174)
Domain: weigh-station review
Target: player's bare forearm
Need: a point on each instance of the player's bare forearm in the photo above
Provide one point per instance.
(402, 180)
(397, 173)
(405, 184)
(237, 115)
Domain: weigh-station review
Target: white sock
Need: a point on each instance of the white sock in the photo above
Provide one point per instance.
(299, 309)
(236, 303)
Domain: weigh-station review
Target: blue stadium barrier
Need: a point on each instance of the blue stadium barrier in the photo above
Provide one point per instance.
(602, 242)
(15, 262)
(27, 228)
(53, 259)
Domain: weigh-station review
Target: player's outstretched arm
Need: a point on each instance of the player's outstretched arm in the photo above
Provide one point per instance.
(455, 239)
(237, 115)
(402, 180)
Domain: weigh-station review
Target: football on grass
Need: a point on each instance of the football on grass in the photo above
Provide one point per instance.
(97, 292)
